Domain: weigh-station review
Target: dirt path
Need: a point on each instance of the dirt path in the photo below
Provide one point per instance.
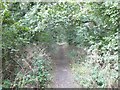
(62, 76)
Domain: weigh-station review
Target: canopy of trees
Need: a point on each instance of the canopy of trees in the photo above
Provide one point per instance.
(93, 26)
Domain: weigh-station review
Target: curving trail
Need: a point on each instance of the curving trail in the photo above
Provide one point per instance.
(62, 76)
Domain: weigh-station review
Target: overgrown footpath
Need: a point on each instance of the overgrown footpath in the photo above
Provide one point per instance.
(30, 29)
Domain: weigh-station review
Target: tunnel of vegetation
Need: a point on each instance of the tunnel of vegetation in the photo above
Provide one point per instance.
(29, 30)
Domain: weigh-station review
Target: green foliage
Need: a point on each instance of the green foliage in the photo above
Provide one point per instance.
(7, 83)
(93, 26)
(37, 77)
(100, 35)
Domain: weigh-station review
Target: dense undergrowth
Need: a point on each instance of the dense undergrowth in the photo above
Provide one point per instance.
(33, 70)
(98, 67)
(94, 27)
